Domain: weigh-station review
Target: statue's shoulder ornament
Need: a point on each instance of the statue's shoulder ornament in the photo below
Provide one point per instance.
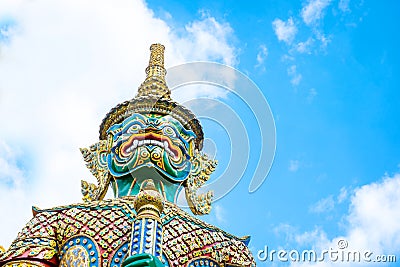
(187, 239)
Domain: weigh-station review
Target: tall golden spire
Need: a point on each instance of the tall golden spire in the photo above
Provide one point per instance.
(154, 84)
(153, 96)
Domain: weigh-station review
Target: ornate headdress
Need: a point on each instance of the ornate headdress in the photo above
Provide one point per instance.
(106, 158)
(154, 96)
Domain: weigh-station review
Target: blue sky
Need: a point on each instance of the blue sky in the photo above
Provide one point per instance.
(328, 69)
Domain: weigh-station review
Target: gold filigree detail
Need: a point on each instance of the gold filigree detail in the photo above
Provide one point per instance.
(155, 84)
(95, 158)
(200, 204)
(24, 263)
(186, 237)
(157, 55)
(75, 256)
(149, 203)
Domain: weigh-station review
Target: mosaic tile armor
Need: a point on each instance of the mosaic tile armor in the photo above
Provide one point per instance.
(149, 149)
(98, 234)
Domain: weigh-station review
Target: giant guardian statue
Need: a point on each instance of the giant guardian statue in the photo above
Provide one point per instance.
(150, 148)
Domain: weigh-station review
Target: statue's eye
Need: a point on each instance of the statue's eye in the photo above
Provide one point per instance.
(169, 131)
(134, 128)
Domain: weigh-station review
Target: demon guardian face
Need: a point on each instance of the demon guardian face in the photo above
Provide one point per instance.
(153, 141)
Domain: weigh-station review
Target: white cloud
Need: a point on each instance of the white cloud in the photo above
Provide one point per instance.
(314, 11)
(64, 67)
(208, 37)
(375, 215)
(219, 214)
(372, 223)
(294, 165)
(11, 175)
(285, 30)
(343, 195)
(312, 14)
(312, 93)
(344, 5)
(262, 55)
(286, 232)
(13, 192)
(323, 205)
(5, 32)
(287, 58)
(304, 47)
(295, 77)
(324, 40)
(309, 238)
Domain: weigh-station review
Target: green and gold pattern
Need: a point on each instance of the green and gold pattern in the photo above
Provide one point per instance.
(202, 168)
(96, 160)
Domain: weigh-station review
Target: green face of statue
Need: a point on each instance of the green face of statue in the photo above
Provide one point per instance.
(151, 141)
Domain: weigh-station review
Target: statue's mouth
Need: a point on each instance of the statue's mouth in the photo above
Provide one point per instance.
(150, 139)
